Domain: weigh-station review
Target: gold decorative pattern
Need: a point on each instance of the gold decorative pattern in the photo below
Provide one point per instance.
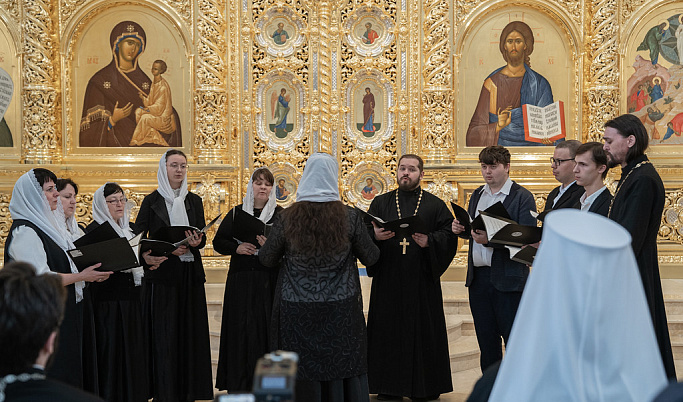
(437, 98)
(671, 228)
(233, 65)
(442, 188)
(210, 191)
(601, 67)
(11, 7)
(5, 218)
(602, 104)
(40, 138)
(183, 8)
(67, 8)
(211, 140)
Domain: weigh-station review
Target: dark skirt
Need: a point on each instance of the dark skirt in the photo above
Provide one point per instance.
(247, 306)
(123, 366)
(74, 359)
(177, 327)
(354, 389)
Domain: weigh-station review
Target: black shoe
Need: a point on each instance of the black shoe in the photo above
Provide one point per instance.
(425, 399)
(385, 397)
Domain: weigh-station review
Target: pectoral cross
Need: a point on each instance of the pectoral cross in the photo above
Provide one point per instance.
(405, 244)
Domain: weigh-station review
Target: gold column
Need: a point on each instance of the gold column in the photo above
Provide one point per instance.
(211, 118)
(438, 144)
(41, 138)
(601, 75)
(325, 78)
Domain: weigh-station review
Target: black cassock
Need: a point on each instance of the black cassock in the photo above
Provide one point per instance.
(407, 340)
(638, 205)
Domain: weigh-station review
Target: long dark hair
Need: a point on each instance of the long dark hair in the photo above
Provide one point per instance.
(316, 227)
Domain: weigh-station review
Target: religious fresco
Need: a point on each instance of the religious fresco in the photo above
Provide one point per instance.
(514, 57)
(10, 90)
(279, 31)
(131, 87)
(653, 85)
(369, 108)
(365, 182)
(369, 31)
(281, 122)
(370, 120)
(286, 183)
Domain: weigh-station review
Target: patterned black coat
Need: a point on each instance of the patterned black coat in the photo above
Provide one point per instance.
(318, 309)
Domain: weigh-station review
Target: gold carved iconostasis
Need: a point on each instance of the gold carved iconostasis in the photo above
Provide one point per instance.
(102, 89)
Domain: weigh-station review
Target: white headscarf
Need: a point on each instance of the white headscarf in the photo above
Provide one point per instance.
(248, 202)
(30, 203)
(101, 214)
(319, 181)
(178, 213)
(583, 330)
(174, 203)
(70, 223)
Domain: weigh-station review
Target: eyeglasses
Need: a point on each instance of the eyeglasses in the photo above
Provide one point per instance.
(117, 201)
(176, 166)
(558, 162)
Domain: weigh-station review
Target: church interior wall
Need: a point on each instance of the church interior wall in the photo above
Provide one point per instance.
(269, 82)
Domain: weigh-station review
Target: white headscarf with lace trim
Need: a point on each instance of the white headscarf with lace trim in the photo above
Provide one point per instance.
(30, 203)
(101, 214)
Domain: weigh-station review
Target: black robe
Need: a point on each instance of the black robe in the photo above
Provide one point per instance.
(247, 307)
(119, 331)
(638, 205)
(407, 340)
(73, 361)
(174, 311)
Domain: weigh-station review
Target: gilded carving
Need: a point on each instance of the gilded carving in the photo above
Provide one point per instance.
(602, 104)
(210, 138)
(40, 140)
(437, 123)
(41, 75)
(671, 228)
(12, 8)
(442, 188)
(5, 218)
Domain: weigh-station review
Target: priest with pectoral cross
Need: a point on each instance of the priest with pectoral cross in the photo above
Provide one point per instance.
(407, 341)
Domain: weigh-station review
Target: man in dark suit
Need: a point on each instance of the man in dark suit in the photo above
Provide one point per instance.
(495, 281)
(568, 192)
(31, 307)
(590, 171)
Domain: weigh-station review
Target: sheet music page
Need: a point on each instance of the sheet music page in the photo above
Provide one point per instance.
(513, 250)
(493, 225)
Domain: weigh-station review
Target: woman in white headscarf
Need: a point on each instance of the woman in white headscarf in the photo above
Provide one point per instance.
(318, 311)
(583, 330)
(68, 190)
(248, 289)
(119, 331)
(174, 302)
(39, 238)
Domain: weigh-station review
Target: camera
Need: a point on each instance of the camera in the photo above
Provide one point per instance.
(275, 376)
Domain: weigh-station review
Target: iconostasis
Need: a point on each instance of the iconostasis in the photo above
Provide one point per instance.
(102, 89)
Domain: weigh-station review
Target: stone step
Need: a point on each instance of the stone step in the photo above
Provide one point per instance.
(464, 353)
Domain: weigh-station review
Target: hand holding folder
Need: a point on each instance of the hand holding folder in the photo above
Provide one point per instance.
(103, 245)
(166, 240)
(404, 227)
(247, 228)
